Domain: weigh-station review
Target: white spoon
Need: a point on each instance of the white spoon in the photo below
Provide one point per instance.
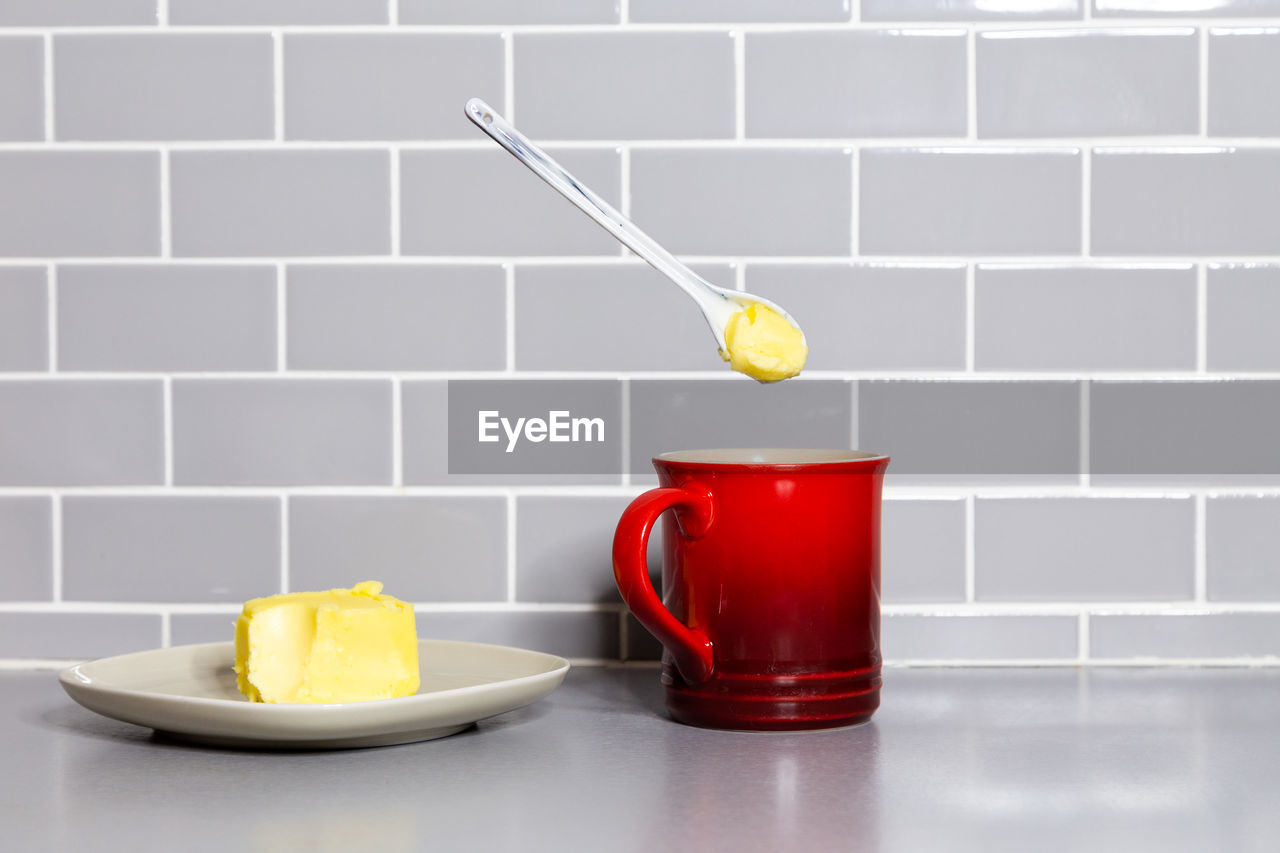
(718, 304)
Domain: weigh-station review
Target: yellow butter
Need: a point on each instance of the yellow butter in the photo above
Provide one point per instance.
(763, 345)
(340, 645)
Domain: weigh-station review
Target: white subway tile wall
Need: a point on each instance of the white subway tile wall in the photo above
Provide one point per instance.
(1035, 247)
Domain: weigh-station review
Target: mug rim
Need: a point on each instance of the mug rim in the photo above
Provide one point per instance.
(767, 457)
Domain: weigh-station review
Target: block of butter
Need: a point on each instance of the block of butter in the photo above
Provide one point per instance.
(340, 645)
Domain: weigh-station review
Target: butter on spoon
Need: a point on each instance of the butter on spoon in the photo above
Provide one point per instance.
(756, 336)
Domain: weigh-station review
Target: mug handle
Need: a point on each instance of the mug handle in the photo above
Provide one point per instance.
(690, 648)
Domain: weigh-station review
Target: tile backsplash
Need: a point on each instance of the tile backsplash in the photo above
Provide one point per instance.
(1035, 247)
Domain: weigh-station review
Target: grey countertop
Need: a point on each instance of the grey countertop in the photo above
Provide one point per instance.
(959, 759)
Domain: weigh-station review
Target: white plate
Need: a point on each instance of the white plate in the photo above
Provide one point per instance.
(190, 692)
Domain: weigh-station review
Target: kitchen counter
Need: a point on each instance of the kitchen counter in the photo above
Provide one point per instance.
(956, 759)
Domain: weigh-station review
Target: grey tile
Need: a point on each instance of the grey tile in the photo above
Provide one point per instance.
(77, 203)
(1243, 302)
(76, 636)
(21, 88)
(1084, 549)
(744, 202)
(967, 201)
(278, 11)
(447, 204)
(574, 634)
(172, 318)
(856, 83)
(508, 12)
(685, 11)
(425, 430)
(1216, 8)
(871, 316)
(1242, 536)
(1209, 635)
(1101, 83)
(396, 317)
(117, 548)
(24, 323)
(1085, 318)
(564, 547)
(26, 548)
(968, 10)
(1243, 67)
(163, 86)
(1179, 202)
(187, 628)
(387, 85)
(689, 414)
(922, 551)
(640, 644)
(973, 431)
(76, 13)
(81, 433)
(1212, 431)
(955, 637)
(282, 432)
(562, 319)
(281, 202)
(421, 548)
(659, 85)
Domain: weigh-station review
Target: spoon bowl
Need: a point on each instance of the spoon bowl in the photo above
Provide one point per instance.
(718, 304)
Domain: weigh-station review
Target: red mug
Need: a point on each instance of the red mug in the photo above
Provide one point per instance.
(770, 609)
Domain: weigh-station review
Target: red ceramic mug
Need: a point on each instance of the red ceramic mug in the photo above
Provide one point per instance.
(771, 584)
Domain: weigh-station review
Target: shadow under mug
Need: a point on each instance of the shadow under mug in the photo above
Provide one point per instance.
(770, 609)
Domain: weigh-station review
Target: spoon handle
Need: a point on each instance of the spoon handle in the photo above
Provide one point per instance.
(604, 214)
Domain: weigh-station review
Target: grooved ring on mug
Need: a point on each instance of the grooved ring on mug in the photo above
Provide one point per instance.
(695, 510)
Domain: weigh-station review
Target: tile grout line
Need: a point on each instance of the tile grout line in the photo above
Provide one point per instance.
(162, 13)
(47, 58)
(1134, 22)
(624, 635)
(509, 307)
(624, 11)
(739, 84)
(1086, 390)
(393, 12)
(1201, 583)
(1202, 318)
(1204, 80)
(277, 82)
(282, 325)
(284, 543)
(1082, 638)
(739, 276)
(1184, 607)
(167, 410)
(991, 144)
(970, 549)
(511, 548)
(509, 75)
(166, 629)
(970, 318)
